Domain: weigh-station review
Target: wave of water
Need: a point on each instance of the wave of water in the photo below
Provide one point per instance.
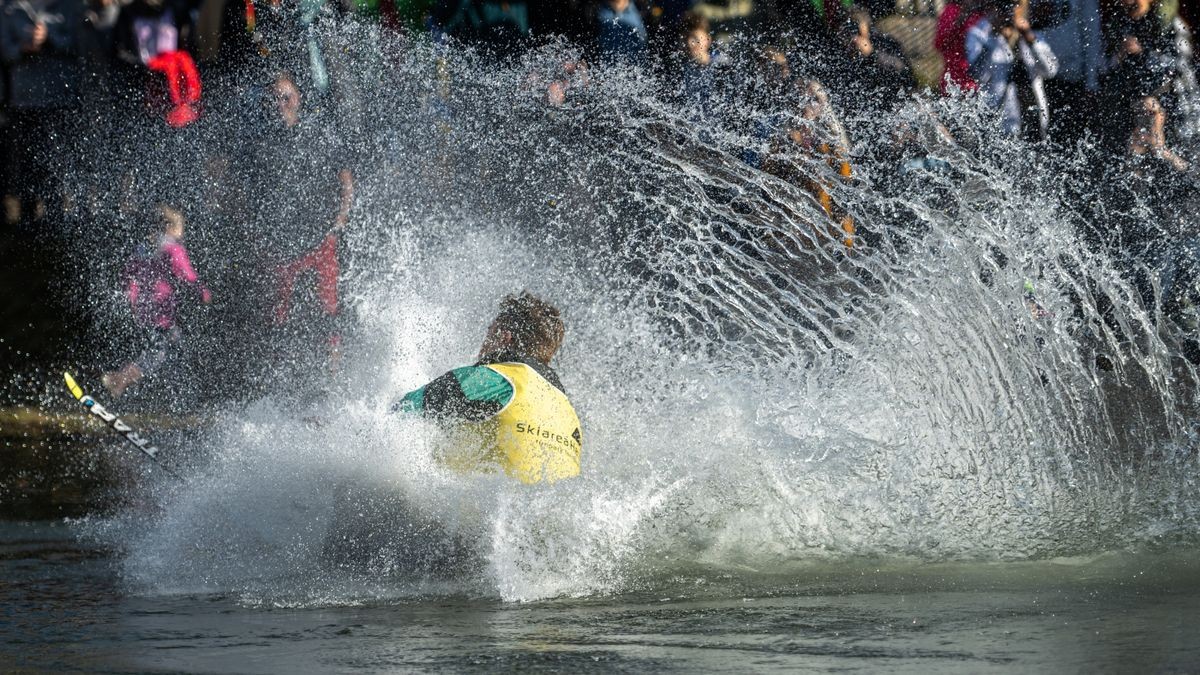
(755, 397)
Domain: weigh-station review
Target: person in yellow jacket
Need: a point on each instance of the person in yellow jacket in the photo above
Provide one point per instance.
(507, 412)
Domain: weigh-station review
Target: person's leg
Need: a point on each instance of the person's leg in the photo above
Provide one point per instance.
(285, 284)
(118, 381)
(326, 264)
(162, 343)
(24, 134)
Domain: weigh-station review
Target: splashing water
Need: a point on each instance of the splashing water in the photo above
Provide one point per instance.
(755, 395)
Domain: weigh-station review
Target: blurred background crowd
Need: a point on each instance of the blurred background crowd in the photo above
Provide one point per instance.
(90, 84)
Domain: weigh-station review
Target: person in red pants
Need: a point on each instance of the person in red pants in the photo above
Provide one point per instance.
(300, 192)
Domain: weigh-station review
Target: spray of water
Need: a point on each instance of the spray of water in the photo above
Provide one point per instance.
(967, 381)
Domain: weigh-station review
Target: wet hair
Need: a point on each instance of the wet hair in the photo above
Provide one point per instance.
(535, 325)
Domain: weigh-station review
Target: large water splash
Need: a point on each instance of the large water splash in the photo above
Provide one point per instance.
(968, 381)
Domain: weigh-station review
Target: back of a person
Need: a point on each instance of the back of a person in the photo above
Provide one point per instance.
(534, 438)
(621, 35)
(500, 27)
(294, 187)
(507, 413)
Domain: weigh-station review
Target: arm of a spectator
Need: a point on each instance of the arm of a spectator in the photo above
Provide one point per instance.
(1045, 63)
(979, 49)
(345, 198)
(181, 267)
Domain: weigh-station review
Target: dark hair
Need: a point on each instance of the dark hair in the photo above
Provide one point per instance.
(691, 23)
(535, 325)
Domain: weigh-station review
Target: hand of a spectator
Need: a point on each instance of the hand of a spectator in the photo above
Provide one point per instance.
(862, 44)
(38, 37)
(205, 296)
(1132, 46)
(1021, 24)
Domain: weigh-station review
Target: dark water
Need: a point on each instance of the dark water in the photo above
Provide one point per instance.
(64, 608)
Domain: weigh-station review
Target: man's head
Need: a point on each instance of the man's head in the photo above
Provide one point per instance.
(526, 325)
(286, 97)
(1137, 8)
(697, 40)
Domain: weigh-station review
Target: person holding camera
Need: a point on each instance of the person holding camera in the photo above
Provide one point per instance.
(1011, 61)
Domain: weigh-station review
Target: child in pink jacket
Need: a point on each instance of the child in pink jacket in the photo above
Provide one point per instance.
(152, 278)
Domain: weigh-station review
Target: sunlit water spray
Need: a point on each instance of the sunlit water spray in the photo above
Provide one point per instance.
(756, 396)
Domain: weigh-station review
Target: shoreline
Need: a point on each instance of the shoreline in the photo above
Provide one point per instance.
(66, 465)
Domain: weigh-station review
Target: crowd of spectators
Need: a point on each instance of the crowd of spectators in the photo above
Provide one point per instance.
(1112, 74)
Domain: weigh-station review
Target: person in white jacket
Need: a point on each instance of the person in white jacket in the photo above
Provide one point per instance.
(995, 44)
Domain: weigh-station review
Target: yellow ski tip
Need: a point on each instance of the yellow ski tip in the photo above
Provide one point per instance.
(76, 390)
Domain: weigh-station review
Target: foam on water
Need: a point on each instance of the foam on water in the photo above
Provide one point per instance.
(754, 397)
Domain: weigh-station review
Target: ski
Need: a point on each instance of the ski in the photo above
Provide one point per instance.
(116, 424)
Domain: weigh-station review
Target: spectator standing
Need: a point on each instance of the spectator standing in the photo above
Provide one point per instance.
(97, 123)
(620, 33)
(148, 28)
(1151, 158)
(152, 41)
(1139, 49)
(1010, 62)
(151, 278)
(97, 37)
(1072, 28)
(1154, 57)
(696, 78)
(878, 73)
(821, 139)
(257, 37)
(300, 194)
(1163, 182)
(39, 46)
